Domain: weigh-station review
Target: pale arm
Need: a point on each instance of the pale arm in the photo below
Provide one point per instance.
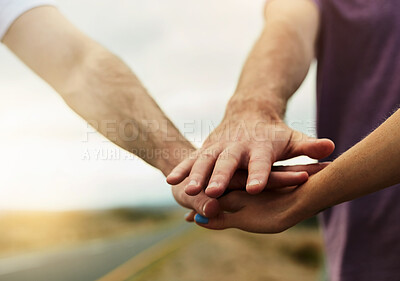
(103, 90)
(97, 85)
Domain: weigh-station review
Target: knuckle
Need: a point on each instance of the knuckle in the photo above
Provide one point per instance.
(258, 174)
(234, 160)
(267, 146)
(241, 146)
(259, 168)
(208, 154)
(224, 155)
(199, 203)
(180, 196)
(195, 176)
(259, 157)
(227, 155)
(220, 175)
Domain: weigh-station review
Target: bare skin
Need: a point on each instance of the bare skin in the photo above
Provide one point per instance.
(369, 166)
(99, 87)
(252, 135)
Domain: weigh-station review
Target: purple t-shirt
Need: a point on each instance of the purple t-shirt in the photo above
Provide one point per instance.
(358, 87)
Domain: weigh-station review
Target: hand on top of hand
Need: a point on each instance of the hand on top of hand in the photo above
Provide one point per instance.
(252, 144)
(267, 212)
(271, 211)
(281, 178)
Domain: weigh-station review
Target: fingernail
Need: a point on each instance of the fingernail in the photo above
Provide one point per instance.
(200, 219)
(192, 183)
(213, 185)
(204, 208)
(187, 214)
(254, 182)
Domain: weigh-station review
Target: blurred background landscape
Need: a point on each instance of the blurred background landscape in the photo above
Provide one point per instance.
(149, 244)
(56, 203)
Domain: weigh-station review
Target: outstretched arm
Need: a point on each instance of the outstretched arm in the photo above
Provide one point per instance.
(252, 135)
(369, 166)
(103, 90)
(97, 85)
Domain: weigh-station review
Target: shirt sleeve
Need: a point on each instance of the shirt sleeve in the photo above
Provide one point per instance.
(10, 10)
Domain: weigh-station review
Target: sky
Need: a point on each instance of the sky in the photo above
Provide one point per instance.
(188, 54)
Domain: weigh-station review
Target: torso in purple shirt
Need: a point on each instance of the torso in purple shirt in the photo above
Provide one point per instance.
(358, 87)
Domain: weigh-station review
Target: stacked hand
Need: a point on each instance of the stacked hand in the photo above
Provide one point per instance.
(280, 178)
(240, 155)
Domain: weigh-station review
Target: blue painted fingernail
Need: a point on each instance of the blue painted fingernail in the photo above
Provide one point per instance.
(200, 219)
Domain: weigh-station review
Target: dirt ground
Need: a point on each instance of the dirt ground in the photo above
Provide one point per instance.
(233, 255)
(294, 255)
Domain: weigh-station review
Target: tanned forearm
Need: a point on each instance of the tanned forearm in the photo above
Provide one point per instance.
(279, 60)
(97, 85)
(369, 166)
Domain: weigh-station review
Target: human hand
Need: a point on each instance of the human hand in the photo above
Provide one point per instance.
(282, 179)
(209, 207)
(271, 211)
(252, 144)
(267, 212)
(201, 203)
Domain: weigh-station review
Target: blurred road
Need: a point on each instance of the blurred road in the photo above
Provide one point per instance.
(86, 262)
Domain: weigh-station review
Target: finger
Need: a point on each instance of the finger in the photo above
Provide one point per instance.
(285, 179)
(238, 180)
(205, 205)
(259, 168)
(201, 170)
(226, 165)
(180, 172)
(222, 221)
(201, 203)
(233, 201)
(301, 144)
(189, 217)
(309, 168)
(280, 177)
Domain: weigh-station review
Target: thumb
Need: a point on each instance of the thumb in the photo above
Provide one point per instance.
(222, 221)
(301, 144)
(232, 202)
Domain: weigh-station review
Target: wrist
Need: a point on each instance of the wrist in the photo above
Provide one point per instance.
(315, 195)
(255, 107)
(175, 154)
